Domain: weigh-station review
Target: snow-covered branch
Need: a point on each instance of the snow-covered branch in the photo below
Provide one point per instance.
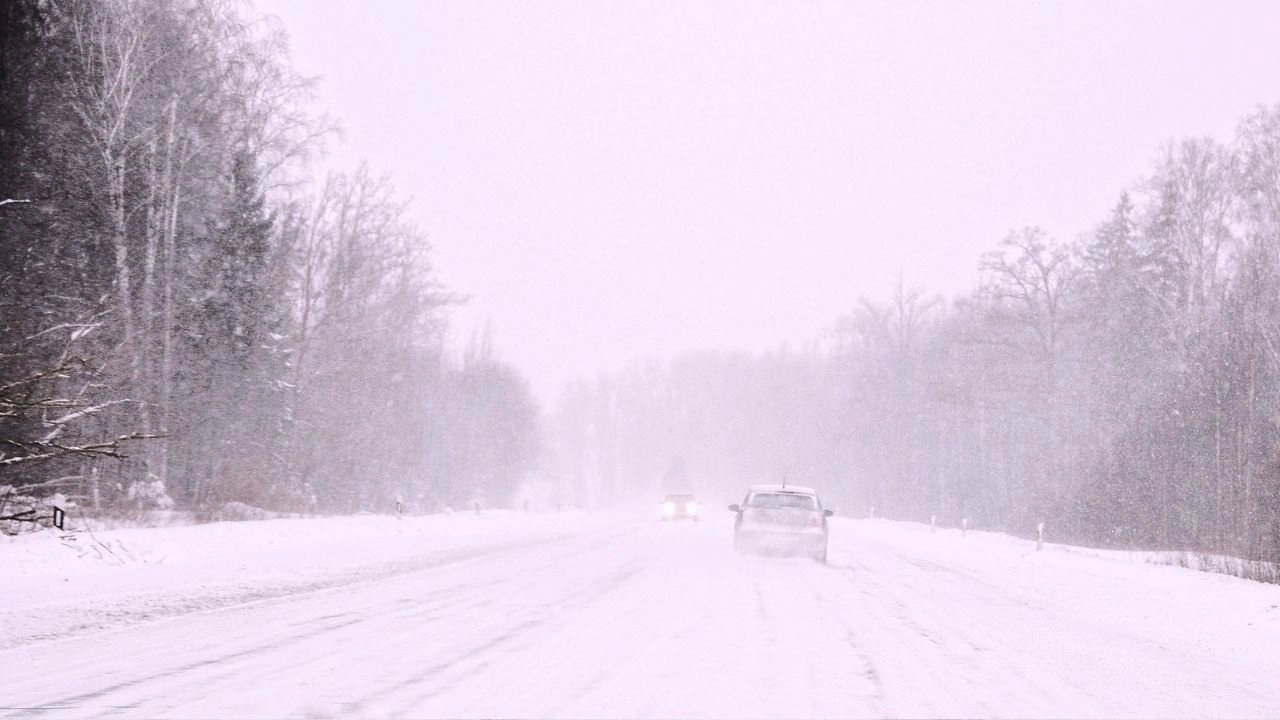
(38, 451)
(60, 424)
(79, 330)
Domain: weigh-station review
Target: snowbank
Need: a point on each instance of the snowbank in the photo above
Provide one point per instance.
(919, 537)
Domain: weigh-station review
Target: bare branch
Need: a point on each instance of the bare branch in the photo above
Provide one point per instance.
(67, 364)
(49, 483)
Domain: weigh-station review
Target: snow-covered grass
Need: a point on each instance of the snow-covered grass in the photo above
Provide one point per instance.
(1258, 570)
(56, 583)
(1267, 572)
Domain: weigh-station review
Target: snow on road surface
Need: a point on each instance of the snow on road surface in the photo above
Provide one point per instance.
(62, 584)
(643, 619)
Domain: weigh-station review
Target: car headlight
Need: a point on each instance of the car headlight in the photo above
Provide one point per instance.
(668, 508)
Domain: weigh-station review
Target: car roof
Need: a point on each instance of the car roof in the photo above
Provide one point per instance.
(797, 489)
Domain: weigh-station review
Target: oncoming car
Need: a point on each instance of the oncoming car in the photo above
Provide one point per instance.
(680, 507)
(782, 519)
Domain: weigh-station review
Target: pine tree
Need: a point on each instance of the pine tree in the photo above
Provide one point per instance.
(230, 360)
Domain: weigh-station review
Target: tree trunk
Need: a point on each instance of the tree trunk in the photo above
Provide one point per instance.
(166, 354)
(120, 240)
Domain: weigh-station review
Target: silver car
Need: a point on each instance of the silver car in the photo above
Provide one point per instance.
(781, 519)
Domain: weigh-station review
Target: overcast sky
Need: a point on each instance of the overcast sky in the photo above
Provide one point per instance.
(611, 181)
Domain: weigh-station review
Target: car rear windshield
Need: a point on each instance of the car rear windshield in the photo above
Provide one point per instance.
(783, 500)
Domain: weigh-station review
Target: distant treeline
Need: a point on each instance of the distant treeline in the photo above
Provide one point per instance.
(178, 289)
(1124, 387)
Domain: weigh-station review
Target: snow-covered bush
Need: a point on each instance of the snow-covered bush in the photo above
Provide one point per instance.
(149, 494)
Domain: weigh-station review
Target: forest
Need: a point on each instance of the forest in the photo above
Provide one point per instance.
(191, 313)
(1121, 387)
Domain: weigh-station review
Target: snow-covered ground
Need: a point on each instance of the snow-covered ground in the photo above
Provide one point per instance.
(612, 616)
(65, 583)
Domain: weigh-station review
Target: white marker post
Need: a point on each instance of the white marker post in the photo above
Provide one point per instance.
(964, 526)
(873, 512)
(399, 506)
(933, 520)
(1039, 535)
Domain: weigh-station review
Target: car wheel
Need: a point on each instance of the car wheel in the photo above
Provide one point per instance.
(821, 557)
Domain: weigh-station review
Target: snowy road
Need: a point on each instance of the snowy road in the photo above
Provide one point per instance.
(651, 620)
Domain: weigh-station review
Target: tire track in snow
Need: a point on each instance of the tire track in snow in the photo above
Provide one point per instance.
(454, 670)
(76, 701)
(906, 664)
(433, 622)
(437, 604)
(865, 684)
(959, 651)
